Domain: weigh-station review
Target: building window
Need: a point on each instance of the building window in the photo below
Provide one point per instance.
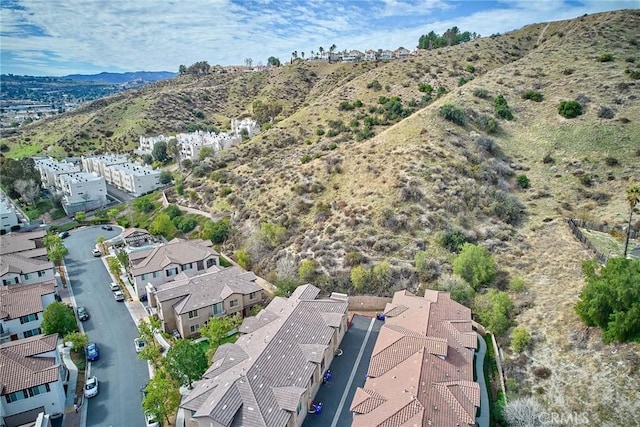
(233, 303)
(187, 267)
(172, 271)
(39, 389)
(194, 328)
(16, 395)
(27, 276)
(28, 318)
(217, 308)
(32, 333)
(193, 313)
(210, 262)
(143, 277)
(156, 274)
(42, 273)
(253, 295)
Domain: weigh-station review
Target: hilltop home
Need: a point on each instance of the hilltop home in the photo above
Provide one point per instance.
(370, 55)
(189, 302)
(421, 369)
(163, 263)
(401, 53)
(32, 380)
(23, 259)
(272, 373)
(386, 54)
(21, 309)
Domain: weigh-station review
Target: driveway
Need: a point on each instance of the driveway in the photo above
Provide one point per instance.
(483, 418)
(348, 373)
(120, 373)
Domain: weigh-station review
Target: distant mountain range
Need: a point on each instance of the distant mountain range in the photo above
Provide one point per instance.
(117, 78)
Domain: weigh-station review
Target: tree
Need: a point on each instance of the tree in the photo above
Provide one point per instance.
(14, 170)
(273, 61)
(520, 339)
(633, 198)
(475, 265)
(381, 274)
(58, 318)
(360, 276)
(162, 225)
(159, 151)
(321, 50)
(100, 242)
(243, 258)
(457, 287)
(493, 309)
(55, 248)
(205, 152)
(216, 231)
(248, 62)
(173, 150)
(147, 159)
(78, 341)
(610, 299)
(80, 216)
(524, 412)
(570, 109)
(29, 190)
(217, 328)
(265, 112)
(162, 397)
(307, 270)
(165, 177)
(182, 69)
(185, 362)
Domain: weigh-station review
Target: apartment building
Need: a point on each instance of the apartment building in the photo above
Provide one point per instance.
(118, 171)
(163, 263)
(191, 144)
(8, 217)
(187, 303)
(146, 143)
(272, 373)
(32, 378)
(21, 309)
(50, 169)
(421, 368)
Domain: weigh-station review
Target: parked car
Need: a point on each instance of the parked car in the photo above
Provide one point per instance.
(118, 295)
(64, 234)
(139, 344)
(83, 314)
(114, 286)
(96, 252)
(107, 227)
(91, 387)
(151, 420)
(92, 352)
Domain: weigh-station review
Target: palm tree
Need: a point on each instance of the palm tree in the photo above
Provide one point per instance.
(321, 50)
(302, 54)
(633, 197)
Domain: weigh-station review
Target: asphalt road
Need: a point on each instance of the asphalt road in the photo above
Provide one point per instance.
(120, 373)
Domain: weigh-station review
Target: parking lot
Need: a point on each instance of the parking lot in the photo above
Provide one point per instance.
(348, 372)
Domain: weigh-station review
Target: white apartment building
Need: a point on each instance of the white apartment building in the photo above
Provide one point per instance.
(119, 172)
(192, 143)
(50, 169)
(251, 126)
(146, 143)
(8, 217)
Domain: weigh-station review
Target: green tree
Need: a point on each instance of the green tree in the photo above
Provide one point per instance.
(166, 177)
(172, 211)
(78, 341)
(55, 248)
(570, 109)
(452, 113)
(633, 198)
(381, 275)
(493, 309)
(217, 328)
(520, 339)
(29, 190)
(243, 258)
(205, 152)
(162, 397)
(100, 242)
(216, 231)
(501, 108)
(14, 170)
(162, 225)
(185, 362)
(273, 61)
(360, 276)
(610, 299)
(58, 318)
(475, 265)
(80, 216)
(271, 234)
(182, 69)
(159, 151)
(307, 270)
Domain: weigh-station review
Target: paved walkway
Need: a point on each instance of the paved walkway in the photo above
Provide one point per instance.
(483, 418)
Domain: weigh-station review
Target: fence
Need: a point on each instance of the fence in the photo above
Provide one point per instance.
(212, 216)
(367, 303)
(573, 225)
(603, 228)
(497, 353)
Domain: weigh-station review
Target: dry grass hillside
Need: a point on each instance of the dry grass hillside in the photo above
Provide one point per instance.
(354, 179)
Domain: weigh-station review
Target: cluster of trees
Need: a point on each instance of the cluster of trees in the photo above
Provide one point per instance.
(265, 111)
(185, 362)
(198, 68)
(451, 37)
(20, 178)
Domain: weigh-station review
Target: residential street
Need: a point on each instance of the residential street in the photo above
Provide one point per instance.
(120, 373)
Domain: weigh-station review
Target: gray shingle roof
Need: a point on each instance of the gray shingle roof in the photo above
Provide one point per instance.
(20, 370)
(276, 366)
(18, 264)
(175, 252)
(20, 300)
(19, 242)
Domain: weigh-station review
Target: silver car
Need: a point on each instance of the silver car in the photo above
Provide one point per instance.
(118, 295)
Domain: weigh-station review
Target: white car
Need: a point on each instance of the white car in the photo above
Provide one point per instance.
(118, 295)
(96, 252)
(114, 286)
(151, 420)
(139, 344)
(91, 387)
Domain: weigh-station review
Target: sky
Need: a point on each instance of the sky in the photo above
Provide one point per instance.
(60, 37)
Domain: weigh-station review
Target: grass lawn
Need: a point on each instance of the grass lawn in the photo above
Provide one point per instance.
(44, 205)
(206, 345)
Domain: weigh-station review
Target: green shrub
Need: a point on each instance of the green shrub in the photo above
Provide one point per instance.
(425, 87)
(570, 109)
(481, 93)
(345, 106)
(533, 95)
(475, 265)
(517, 284)
(452, 113)
(463, 81)
(493, 309)
(470, 68)
(487, 124)
(523, 181)
(502, 108)
(306, 158)
(320, 131)
(605, 57)
(375, 85)
(634, 74)
(520, 339)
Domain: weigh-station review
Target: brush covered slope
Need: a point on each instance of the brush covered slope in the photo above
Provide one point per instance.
(366, 164)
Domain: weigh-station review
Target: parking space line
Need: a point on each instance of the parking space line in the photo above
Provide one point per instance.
(336, 417)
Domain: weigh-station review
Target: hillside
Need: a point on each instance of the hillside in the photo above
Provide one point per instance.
(348, 194)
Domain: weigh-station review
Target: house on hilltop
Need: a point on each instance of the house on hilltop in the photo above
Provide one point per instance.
(421, 369)
(272, 373)
(32, 380)
(188, 302)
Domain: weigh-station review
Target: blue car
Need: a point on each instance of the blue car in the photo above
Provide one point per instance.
(92, 352)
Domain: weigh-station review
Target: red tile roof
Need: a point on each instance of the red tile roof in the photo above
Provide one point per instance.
(20, 300)
(19, 369)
